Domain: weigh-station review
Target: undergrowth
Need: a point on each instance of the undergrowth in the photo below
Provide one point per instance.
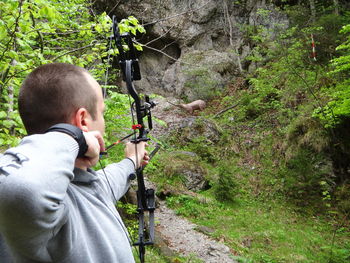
(279, 173)
(266, 231)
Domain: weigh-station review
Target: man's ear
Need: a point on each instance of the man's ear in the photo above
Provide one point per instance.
(81, 119)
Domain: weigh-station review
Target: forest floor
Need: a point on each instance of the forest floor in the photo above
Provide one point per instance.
(175, 234)
(249, 230)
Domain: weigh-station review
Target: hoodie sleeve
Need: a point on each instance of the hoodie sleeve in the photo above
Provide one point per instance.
(115, 178)
(34, 178)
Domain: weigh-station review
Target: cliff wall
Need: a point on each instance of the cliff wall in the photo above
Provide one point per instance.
(194, 48)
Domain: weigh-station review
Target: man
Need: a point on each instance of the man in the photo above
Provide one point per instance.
(53, 207)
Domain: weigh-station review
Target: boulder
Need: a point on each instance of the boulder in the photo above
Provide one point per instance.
(192, 127)
(191, 171)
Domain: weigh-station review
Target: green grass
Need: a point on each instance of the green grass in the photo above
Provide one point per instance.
(154, 256)
(267, 232)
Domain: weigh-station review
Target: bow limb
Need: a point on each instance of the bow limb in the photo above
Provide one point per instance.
(138, 106)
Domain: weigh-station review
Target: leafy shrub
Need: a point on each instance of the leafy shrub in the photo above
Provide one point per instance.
(118, 124)
(306, 177)
(342, 195)
(225, 186)
(337, 110)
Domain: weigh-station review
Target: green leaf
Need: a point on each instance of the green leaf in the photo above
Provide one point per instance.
(47, 12)
(141, 29)
(133, 20)
(12, 54)
(98, 28)
(8, 123)
(132, 30)
(123, 28)
(3, 114)
(138, 47)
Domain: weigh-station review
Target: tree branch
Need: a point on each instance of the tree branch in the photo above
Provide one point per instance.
(165, 54)
(41, 39)
(153, 40)
(226, 109)
(72, 51)
(167, 45)
(13, 34)
(114, 7)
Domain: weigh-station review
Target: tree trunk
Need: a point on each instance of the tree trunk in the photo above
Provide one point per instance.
(227, 18)
(336, 7)
(229, 22)
(313, 10)
(10, 99)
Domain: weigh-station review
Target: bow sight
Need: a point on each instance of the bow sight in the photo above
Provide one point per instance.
(130, 68)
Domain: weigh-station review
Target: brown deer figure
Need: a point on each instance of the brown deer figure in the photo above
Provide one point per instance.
(192, 106)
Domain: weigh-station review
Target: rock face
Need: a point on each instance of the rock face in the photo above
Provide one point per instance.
(194, 176)
(192, 127)
(193, 48)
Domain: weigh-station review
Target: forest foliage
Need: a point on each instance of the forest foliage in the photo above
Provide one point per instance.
(309, 98)
(33, 33)
(289, 136)
(284, 141)
(38, 32)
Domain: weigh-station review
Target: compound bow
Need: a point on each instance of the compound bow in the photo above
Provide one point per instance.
(129, 65)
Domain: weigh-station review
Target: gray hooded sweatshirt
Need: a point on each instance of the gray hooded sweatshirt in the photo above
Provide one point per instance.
(53, 212)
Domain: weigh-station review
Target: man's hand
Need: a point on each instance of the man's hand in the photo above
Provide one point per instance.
(96, 144)
(131, 149)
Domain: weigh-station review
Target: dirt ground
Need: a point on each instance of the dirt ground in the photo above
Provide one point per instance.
(174, 234)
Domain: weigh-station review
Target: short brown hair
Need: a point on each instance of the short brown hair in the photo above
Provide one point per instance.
(52, 93)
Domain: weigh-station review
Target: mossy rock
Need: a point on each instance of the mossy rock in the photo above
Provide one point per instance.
(181, 172)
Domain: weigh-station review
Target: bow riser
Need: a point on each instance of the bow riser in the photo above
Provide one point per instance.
(139, 108)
